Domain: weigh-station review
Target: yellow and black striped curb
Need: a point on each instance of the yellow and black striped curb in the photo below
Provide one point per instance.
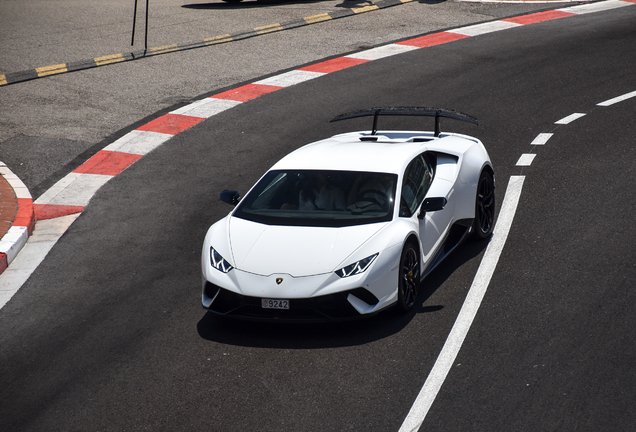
(41, 72)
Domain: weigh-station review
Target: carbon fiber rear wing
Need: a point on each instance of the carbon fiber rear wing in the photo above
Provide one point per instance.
(408, 111)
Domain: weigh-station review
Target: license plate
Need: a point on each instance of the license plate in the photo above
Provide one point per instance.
(274, 304)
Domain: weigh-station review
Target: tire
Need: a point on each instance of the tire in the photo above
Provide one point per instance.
(408, 278)
(484, 222)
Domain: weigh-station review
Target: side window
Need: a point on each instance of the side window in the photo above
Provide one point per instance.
(418, 177)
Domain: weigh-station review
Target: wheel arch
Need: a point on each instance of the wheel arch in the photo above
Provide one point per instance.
(488, 168)
(413, 239)
(483, 226)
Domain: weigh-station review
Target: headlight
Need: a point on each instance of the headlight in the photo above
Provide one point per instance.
(356, 268)
(218, 262)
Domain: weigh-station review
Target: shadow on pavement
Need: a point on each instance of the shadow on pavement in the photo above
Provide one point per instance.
(334, 334)
(246, 4)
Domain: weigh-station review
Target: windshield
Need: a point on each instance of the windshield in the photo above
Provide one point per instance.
(320, 198)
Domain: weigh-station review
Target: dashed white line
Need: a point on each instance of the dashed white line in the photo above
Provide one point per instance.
(447, 356)
(541, 139)
(569, 119)
(451, 348)
(526, 159)
(618, 99)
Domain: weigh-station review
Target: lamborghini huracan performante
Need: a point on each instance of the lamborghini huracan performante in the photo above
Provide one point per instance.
(349, 225)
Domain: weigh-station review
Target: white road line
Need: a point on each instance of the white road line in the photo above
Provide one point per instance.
(526, 159)
(451, 348)
(44, 237)
(569, 119)
(541, 139)
(618, 99)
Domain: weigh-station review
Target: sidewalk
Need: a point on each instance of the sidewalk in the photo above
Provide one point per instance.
(17, 218)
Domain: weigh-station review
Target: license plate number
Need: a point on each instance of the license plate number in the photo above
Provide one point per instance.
(274, 304)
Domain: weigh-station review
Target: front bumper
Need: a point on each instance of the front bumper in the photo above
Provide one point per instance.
(329, 307)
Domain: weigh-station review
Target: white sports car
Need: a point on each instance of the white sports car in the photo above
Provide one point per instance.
(349, 225)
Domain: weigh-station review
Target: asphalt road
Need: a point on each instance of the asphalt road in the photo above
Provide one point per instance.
(108, 334)
(50, 126)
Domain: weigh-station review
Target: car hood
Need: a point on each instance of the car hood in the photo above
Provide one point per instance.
(297, 251)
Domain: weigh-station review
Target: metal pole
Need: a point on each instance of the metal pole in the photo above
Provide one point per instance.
(146, 41)
(132, 40)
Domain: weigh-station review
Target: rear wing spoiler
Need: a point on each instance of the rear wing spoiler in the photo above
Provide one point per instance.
(408, 111)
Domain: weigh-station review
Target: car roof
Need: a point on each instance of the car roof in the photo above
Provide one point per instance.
(386, 151)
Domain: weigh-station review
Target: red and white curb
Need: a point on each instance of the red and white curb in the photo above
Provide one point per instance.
(58, 207)
(15, 239)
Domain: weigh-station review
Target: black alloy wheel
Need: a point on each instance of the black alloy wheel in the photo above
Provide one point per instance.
(409, 278)
(484, 206)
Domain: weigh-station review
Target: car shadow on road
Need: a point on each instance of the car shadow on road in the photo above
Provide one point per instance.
(248, 4)
(286, 335)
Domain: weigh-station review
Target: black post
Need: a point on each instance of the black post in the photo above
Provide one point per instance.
(132, 40)
(146, 41)
(437, 127)
(375, 122)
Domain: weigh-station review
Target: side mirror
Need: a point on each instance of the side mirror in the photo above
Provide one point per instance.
(230, 196)
(432, 204)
